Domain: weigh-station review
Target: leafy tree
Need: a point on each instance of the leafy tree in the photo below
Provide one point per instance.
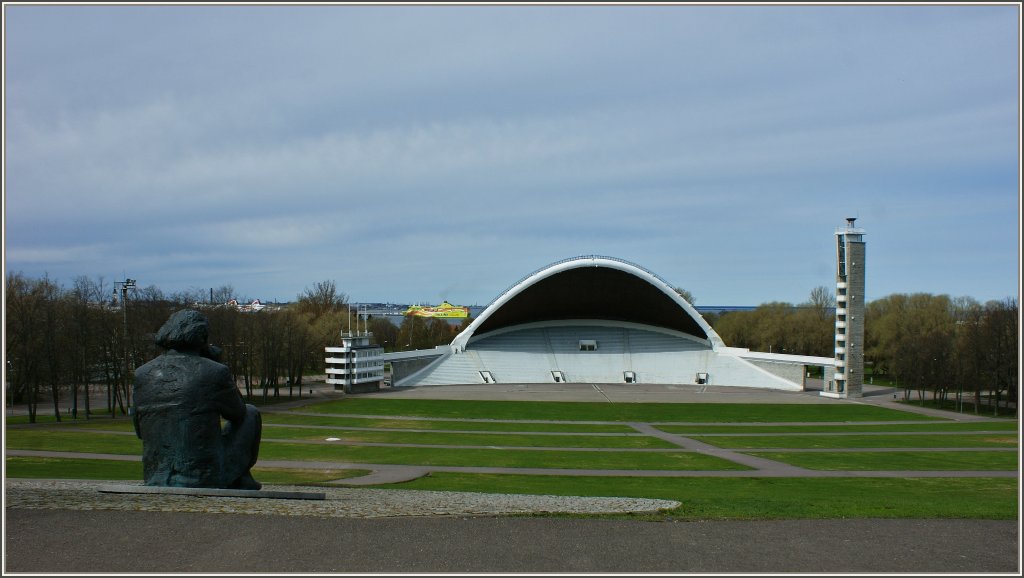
(384, 332)
(686, 295)
(1000, 337)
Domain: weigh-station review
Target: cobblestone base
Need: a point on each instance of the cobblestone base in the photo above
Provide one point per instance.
(339, 502)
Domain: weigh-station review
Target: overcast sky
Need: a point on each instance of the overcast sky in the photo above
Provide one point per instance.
(413, 154)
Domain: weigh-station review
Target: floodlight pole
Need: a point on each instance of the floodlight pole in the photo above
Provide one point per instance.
(125, 286)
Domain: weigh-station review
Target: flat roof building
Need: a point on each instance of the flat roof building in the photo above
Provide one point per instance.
(357, 366)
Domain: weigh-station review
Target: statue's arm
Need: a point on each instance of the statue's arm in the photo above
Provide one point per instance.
(140, 378)
(135, 422)
(229, 399)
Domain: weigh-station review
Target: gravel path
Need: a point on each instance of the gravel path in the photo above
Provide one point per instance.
(340, 502)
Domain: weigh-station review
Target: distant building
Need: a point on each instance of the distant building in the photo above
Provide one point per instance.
(848, 379)
(357, 366)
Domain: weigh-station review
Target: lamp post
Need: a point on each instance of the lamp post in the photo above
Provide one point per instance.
(125, 286)
(7, 382)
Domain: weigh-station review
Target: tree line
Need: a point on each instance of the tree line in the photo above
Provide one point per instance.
(956, 348)
(63, 342)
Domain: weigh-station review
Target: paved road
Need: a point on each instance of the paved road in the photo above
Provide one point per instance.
(52, 541)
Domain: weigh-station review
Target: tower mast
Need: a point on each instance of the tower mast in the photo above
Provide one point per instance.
(848, 380)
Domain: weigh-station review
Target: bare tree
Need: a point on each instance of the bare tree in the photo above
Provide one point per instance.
(222, 295)
(321, 299)
(823, 301)
(85, 305)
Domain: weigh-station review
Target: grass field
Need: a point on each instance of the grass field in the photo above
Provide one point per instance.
(561, 411)
(917, 440)
(634, 441)
(938, 426)
(577, 435)
(897, 461)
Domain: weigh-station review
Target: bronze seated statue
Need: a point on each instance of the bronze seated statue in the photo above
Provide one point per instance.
(179, 400)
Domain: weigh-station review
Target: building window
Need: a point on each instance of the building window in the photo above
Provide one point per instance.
(588, 345)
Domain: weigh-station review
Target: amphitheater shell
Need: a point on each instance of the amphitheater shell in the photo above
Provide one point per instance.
(594, 319)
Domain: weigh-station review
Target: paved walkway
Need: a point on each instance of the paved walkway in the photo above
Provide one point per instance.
(62, 541)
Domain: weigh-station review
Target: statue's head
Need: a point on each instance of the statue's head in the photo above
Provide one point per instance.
(186, 330)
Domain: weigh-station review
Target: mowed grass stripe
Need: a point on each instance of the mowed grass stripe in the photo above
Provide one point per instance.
(285, 419)
(90, 469)
(1001, 425)
(469, 439)
(712, 498)
(59, 440)
(504, 458)
(897, 461)
(614, 412)
(861, 441)
(296, 418)
(119, 443)
(282, 418)
(722, 498)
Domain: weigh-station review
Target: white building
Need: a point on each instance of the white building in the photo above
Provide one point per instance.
(595, 319)
(357, 366)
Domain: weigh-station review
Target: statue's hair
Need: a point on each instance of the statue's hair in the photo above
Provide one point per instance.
(184, 330)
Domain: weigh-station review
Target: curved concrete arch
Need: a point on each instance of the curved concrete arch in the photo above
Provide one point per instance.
(591, 323)
(587, 288)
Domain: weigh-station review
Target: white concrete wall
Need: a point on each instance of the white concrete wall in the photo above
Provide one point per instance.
(528, 354)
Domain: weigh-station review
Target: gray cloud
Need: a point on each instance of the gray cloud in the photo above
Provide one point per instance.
(450, 150)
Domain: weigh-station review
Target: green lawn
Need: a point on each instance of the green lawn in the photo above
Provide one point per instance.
(950, 404)
(710, 498)
(87, 469)
(642, 412)
(897, 461)
(492, 426)
(469, 439)
(55, 439)
(862, 441)
(501, 458)
(68, 440)
(1000, 426)
(285, 418)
